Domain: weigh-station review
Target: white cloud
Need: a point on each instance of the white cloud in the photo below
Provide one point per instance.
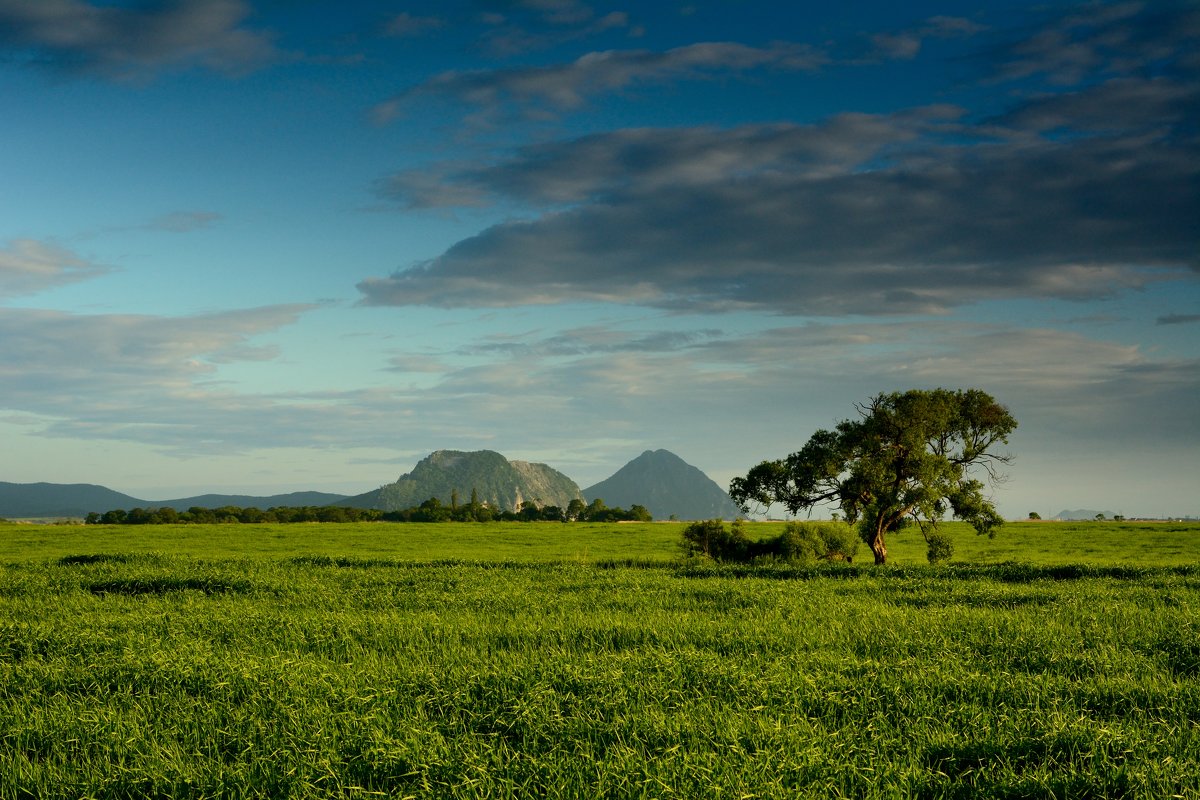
(28, 266)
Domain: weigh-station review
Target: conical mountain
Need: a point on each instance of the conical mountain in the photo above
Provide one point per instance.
(667, 486)
(494, 479)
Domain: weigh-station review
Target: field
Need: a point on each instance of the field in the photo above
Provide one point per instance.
(1058, 660)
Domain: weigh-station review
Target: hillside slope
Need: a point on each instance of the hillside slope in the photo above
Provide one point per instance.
(291, 499)
(494, 479)
(667, 486)
(60, 499)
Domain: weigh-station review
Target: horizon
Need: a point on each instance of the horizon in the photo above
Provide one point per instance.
(820, 512)
(252, 244)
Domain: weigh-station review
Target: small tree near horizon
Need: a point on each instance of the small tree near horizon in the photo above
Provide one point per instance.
(910, 457)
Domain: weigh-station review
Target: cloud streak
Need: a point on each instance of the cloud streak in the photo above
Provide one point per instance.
(124, 43)
(28, 266)
(564, 87)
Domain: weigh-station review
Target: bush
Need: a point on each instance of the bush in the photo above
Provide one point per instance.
(940, 547)
(711, 538)
(799, 543)
(812, 541)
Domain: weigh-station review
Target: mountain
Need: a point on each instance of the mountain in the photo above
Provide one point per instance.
(60, 499)
(667, 486)
(79, 499)
(495, 480)
(292, 499)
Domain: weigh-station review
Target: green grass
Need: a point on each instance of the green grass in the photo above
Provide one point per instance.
(561, 661)
(1098, 543)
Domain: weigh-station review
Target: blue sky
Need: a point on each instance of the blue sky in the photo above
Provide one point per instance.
(272, 246)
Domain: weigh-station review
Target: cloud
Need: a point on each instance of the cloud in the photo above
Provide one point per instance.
(28, 266)
(522, 27)
(563, 87)
(406, 25)
(1105, 40)
(906, 44)
(912, 213)
(602, 165)
(124, 43)
(1178, 319)
(134, 377)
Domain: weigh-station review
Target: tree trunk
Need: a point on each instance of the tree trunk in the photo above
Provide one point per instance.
(878, 548)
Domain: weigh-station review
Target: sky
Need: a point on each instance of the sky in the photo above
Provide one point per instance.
(260, 246)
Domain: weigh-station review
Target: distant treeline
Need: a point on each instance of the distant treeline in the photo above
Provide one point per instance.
(432, 510)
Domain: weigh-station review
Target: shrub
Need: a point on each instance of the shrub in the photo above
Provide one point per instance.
(940, 547)
(711, 538)
(825, 541)
(800, 542)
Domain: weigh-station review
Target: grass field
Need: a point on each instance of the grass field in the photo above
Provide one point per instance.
(550, 660)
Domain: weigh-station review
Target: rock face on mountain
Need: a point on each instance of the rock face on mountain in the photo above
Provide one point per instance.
(667, 486)
(495, 480)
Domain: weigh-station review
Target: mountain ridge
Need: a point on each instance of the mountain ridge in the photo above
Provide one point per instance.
(498, 481)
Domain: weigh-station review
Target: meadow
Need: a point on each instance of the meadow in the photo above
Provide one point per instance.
(472, 661)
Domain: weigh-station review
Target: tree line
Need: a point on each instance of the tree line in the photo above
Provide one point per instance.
(432, 510)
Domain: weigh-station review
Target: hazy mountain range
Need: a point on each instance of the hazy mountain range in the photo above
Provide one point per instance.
(657, 479)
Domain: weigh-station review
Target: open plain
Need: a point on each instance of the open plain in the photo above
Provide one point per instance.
(446, 660)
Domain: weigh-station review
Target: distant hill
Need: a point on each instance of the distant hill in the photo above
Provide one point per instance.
(292, 499)
(20, 500)
(1082, 513)
(667, 486)
(496, 481)
(60, 499)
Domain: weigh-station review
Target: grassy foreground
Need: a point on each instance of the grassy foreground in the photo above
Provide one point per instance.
(563, 661)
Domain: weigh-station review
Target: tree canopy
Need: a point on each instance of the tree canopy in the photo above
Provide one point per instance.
(910, 457)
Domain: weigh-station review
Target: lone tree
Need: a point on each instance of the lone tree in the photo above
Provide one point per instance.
(910, 457)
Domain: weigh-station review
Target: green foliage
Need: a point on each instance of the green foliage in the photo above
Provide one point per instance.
(431, 510)
(798, 542)
(910, 456)
(710, 538)
(1034, 515)
(939, 546)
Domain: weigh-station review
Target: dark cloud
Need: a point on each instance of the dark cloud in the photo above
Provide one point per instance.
(1178, 319)
(1105, 40)
(405, 25)
(1069, 194)
(521, 27)
(601, 165)
(561, 87)
(854, 216)
(906, 44)
(78, 36)
(1120, 104)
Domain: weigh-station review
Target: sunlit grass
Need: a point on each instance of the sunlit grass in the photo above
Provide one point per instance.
(1144, 544)
(359, 662)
